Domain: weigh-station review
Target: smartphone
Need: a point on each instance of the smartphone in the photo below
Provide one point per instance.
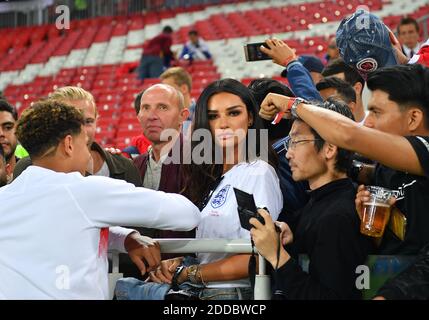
(246, 208)
(253, 52)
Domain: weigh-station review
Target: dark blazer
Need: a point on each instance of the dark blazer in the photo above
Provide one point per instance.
(171, 182)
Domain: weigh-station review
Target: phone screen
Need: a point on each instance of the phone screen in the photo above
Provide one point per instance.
(253, 52)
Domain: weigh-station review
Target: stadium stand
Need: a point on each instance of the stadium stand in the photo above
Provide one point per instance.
(99, 54)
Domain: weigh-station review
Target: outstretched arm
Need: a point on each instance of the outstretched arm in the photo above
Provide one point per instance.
(345, 133)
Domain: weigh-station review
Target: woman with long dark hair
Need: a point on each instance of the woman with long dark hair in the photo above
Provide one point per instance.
(228, 157)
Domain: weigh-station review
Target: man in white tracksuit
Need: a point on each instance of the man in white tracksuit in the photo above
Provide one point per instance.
(54, 222)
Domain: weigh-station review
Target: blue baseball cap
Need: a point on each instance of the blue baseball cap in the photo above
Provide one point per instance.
(311, 63)
(364, 42)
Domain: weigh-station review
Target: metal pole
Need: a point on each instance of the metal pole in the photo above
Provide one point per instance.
(205, 245)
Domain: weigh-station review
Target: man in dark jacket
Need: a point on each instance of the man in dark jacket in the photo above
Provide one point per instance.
(162, 113)
(328, 226)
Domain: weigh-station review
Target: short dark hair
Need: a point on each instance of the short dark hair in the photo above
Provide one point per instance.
(138, 101)
(7, 107)
(344, 157)
(339, 66)
(193, 32)
(408, 20)
(259, 89)
(407, 85)
(167, 29)
(344, 89)
(45, 124)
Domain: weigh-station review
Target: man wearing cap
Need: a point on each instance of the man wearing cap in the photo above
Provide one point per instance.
(365, 43)
(395, 134)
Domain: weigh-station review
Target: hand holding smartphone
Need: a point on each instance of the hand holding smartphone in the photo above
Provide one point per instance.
(253, 52)
(247, 209)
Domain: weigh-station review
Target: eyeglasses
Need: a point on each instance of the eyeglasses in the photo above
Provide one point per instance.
(291, 144)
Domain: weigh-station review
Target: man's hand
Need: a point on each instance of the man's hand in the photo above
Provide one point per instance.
(286, 234)
(266, 239)
(402, 58)
(363, 196)
(164, 273)
(273, 104)
(279, 51)
(143, 251)
(113, 151)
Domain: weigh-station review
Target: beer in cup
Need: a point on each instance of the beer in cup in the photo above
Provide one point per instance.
(376, 211)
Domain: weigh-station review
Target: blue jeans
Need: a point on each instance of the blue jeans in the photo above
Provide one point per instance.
(226, 294)
(150, 67)
(134, 289)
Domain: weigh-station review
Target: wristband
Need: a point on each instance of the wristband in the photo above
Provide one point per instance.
(280, 115)
(288, 60)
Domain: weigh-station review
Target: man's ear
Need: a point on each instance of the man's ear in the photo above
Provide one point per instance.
(184, 114)
(330, 151)
(8, 169)
(184, 89)
(352, 106)
(67, 146)
(358, 88)
(415, 119)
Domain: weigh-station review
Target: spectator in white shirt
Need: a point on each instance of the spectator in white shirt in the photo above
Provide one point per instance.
(227, 111)
(57, 224)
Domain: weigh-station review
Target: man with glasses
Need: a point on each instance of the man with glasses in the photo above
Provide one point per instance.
(328, 227)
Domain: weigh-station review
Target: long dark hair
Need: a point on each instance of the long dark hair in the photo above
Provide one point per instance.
(199, 178)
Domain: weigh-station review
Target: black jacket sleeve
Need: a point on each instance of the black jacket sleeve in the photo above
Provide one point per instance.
(338, 250)
(412, 283)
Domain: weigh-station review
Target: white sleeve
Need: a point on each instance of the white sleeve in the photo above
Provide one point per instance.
(264, 184)
(109, 202)
(117, 236)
